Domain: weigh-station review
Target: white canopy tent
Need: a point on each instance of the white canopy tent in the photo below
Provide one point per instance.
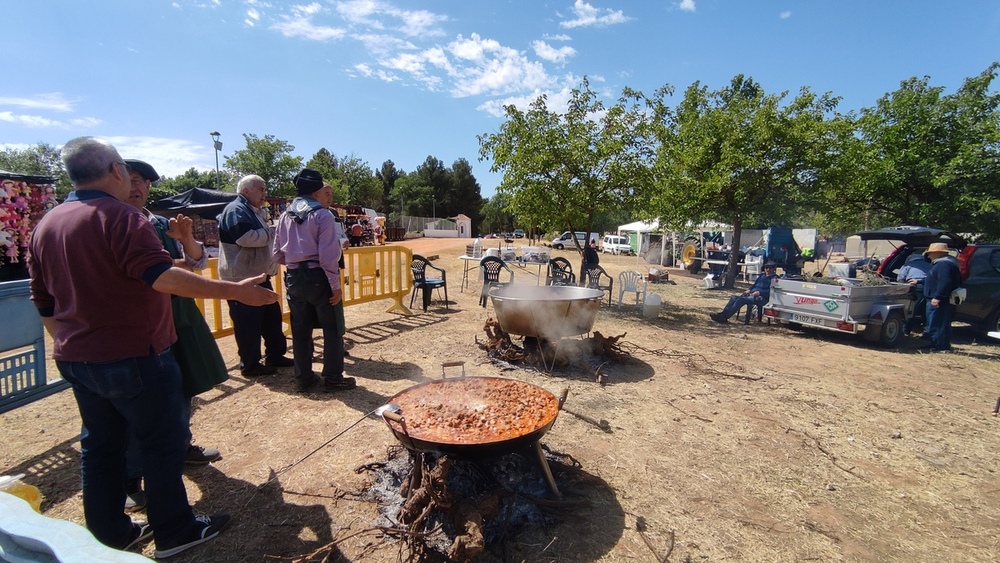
(635, 230)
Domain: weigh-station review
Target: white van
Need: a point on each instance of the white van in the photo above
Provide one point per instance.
(616, 244)
(565, 240)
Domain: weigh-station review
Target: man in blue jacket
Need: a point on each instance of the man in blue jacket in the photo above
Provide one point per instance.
(245, 240)
(758, 294)
(943, 278)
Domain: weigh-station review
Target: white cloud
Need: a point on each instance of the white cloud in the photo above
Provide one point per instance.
(253, 16)
(687, 5)
(587, 16)
(299, 24)
(420, 22)
(170, 157)
(551, 54)
(785, 15)
(555, 100)
(306, 30)
(557, 37)
(53, 102)
(41, 122)
(357, 11)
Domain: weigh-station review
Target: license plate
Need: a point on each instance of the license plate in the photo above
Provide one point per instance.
(805, 319)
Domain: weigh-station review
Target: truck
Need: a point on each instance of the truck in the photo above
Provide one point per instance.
(877, 312)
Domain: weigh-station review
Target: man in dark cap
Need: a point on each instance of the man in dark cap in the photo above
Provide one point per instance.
(758, 294)
(197, 354)
(307, 242)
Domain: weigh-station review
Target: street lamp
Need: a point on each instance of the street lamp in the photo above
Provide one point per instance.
(433, 209)
(218, 147)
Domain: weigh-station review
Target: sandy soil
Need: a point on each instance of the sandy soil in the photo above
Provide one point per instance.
(742, 443)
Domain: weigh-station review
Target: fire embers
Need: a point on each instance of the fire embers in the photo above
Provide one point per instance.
(585, 353)
(458, 507)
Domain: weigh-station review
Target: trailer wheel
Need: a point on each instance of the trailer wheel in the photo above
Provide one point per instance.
(892, 330)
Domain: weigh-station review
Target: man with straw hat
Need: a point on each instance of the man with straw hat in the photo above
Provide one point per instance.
(943, 278)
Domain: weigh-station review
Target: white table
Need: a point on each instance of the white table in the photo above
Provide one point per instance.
(524, 266)
(471, 263)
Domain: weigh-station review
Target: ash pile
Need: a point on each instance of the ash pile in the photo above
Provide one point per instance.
(455, 508)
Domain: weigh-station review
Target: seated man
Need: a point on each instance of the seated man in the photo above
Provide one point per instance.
(758, 294)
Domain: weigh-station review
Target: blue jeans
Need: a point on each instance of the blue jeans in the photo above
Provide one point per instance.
(938, 324)
(250, 324)
(133, 455)
(144, 396)
(736, 303)
(308, 293)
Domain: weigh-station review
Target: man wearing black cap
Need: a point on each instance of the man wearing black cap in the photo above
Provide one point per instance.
(307, 242)
(758, 294)
(197, 354)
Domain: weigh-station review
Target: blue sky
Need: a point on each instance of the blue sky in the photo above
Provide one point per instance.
(402, 80)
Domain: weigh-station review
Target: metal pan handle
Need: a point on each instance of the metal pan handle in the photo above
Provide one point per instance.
(455, 364)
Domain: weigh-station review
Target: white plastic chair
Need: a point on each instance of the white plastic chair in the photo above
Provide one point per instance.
(631, 282)
(752, 267)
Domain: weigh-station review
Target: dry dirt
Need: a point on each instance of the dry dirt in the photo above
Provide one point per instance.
(742, 443)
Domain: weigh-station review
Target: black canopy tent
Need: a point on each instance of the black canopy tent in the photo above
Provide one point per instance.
(204, 203)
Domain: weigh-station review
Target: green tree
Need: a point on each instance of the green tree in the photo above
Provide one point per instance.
(465, 194)
(561, 169)
(742, 157)
(40, 160)
(496, 217)
(922, 157)
(387, 176)
(363, 188)
(269, 158)
(191, 178)
(412, 194)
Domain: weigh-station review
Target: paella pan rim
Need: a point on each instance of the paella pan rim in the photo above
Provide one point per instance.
(502, 445)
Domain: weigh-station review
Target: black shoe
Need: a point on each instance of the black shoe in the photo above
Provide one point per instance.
(936, 349)
(140, 532)
(258, 370)
(200, 455)
(310, 385)
(135, 497)
(717, 317)
(206, 528)
(927, 346)
(341, 384)
(279, 362)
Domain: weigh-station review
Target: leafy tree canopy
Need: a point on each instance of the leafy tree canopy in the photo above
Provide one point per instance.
(560, 169)
(740, 156)
(269, 158)
(40, 160)
(923, 157)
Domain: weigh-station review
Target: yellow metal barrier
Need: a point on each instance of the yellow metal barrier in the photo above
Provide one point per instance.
(371, 273)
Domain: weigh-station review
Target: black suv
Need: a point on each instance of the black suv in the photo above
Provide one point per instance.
(979, 263)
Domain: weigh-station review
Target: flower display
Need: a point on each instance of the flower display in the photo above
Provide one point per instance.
(22, 204)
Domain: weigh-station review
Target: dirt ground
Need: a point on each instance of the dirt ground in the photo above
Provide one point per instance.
(730, 442)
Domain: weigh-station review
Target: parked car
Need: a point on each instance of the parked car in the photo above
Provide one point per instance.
(518, 233)
(616, 244)
(566, 239)
(979, 263)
